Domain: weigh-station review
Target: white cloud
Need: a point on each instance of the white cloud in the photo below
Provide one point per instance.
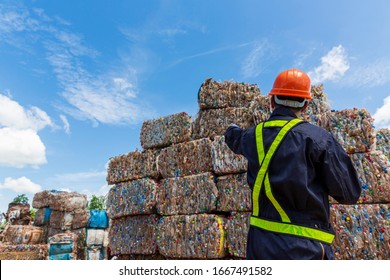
(20, 185)
(12, 114)
(371, 75)
(382, 114)
(123, 85)
(253, 64)
(172, 31)
(20, 147)
(66, 124)
(20, 144)
(98, 101)
(16, 19)
(333, 66)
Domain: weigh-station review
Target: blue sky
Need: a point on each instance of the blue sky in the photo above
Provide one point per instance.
(78, 78)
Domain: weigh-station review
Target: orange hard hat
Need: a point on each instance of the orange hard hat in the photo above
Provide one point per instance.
(292, 82)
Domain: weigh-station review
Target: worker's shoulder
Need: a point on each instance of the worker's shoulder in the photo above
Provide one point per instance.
(317, 133)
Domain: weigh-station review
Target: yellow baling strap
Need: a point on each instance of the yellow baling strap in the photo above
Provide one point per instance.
(292, 229)
(222, 235)
(265, 160)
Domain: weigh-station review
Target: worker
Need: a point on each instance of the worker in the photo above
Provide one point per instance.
(293, 168)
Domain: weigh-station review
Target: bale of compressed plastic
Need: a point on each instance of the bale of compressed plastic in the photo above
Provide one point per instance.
(60, 200)
(67, 201)
(213, 94)
(373, 171)
(69, 220)
(318, 111)
(200, 236)
(224, 160)
(214, 122)
(97, 237)
(78, 237)
(41, 199)
(18, 214)
(383, 141)
(234, 193)
(187, 195)
(23, 234)
(63, 246)
(184, 159)
(132, 198)
(362, 231)
(132, 166)
(354, 130)
(260, 108)
(165, 131)
(42, 217)
(133, 235)
(98, 219)
(237, 228)
(23, 251)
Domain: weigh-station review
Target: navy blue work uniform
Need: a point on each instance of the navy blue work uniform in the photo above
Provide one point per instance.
(293, 167)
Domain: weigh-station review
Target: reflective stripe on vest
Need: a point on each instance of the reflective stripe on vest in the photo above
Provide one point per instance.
(262, 178)
(292, 229)
(264, 160)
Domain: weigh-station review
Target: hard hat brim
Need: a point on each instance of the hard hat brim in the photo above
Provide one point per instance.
(291, 92)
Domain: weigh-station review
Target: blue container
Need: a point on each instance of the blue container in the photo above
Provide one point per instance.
(98, 219)
(57, 249)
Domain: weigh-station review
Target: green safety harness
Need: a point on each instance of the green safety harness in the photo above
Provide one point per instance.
(284, 226)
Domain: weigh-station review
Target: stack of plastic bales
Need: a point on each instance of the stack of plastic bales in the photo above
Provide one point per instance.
(131, 202)
(185, 196)
(187, 201)
(20, 240)
(60, 212)
(220, 105)
(177, 203)
(23, 242)
(97, 235)
(363, 230)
